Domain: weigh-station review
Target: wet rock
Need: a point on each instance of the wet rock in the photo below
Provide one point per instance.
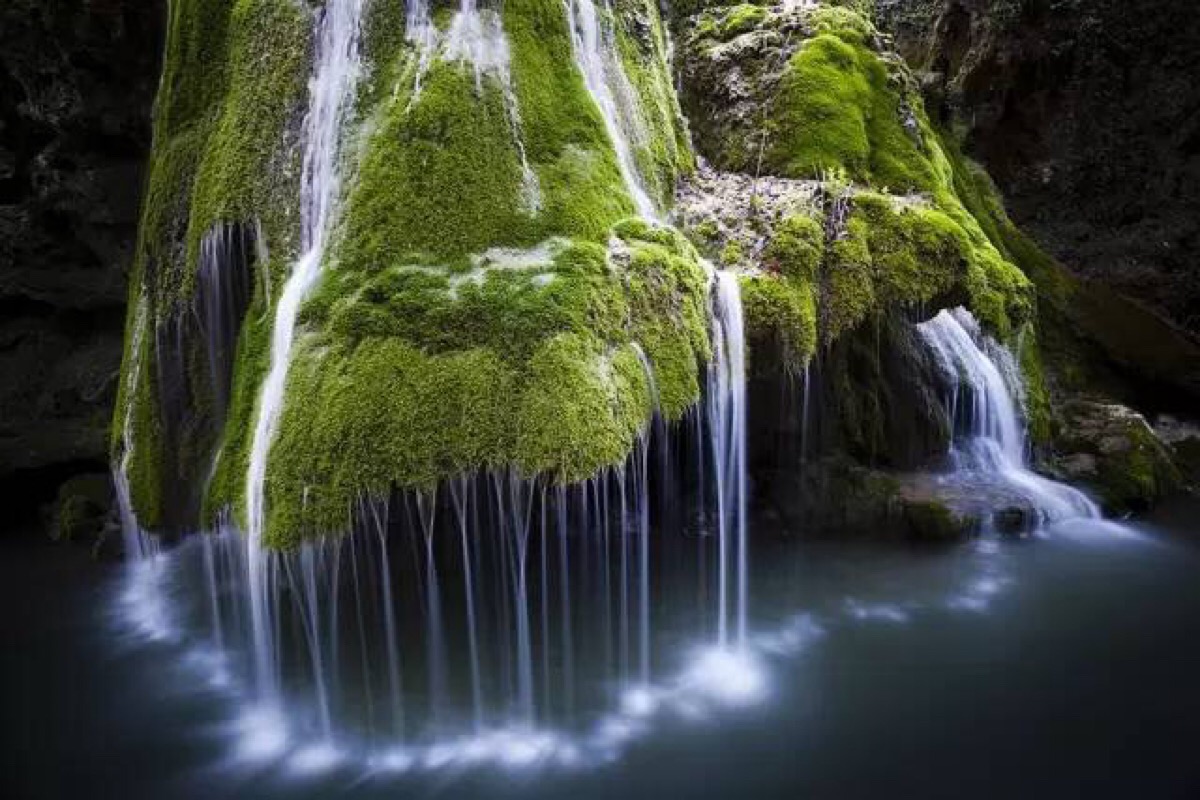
(1014, 521)
(1112, 449)
(935, 522)
(83, 508)
(1183, 437)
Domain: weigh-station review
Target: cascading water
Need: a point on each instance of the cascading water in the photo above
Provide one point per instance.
(495, 618)
(727, 426)
(596, 56)
(222, 297)
(476, 36)
(989, 445)
(330, 94)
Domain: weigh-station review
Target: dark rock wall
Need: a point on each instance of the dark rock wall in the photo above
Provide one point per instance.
(1087, 115)
(77, 82)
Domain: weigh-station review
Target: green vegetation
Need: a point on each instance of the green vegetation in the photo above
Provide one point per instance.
(781, 304)
(838, 107)
(418, 375)
(895, 254)
(422, 301)
(932, 521)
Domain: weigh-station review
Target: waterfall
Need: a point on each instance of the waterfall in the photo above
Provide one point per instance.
(222, 297)
(501, 619)
(137, 544)
(727, 430)
(989, 438)
(501, 613)
(596, 56)
(331, 91)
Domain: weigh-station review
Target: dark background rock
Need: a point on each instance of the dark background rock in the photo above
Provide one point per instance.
(77, 82)
(1086, 113)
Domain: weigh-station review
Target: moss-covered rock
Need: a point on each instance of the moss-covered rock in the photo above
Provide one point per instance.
(810, 95)
(1112, 449)
(82, 508)
(934, 522)
(483, 303)
(529, 362)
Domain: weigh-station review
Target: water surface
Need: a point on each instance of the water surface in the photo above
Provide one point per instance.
(1065, 664)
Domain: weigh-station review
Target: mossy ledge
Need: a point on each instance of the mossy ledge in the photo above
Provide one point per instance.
(855, 210)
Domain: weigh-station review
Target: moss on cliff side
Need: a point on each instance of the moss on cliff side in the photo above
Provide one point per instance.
(225, 151)
(848, 115)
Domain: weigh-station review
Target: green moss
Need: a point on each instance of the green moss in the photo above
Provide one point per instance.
(1131, 468)
(442, 176)
(740, 19)
(797, 248)
(584, 409)
(732, 253)
(838, 107)
(1038, 413)
(781, 321)
(460, 323)
(442, 179)
(193, 65)
(146, 470)
(849, 24)
(248, 171)
(662, 149)
(414, 375)
(900, 254)
(233, 83)
(226, 487)
(234, 80)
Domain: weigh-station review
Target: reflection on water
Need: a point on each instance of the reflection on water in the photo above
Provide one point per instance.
(925, 666)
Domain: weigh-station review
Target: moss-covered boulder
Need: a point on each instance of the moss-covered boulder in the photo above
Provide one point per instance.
(1113, 450)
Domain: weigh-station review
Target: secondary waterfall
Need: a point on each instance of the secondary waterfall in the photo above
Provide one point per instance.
(595, 52)
(330, 95)
(989, 442)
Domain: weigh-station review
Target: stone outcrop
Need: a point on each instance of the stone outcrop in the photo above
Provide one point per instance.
(77, 79)
(1085, 114)
(1115, 452)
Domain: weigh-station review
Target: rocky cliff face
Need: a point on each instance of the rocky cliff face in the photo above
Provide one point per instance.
(77, 80)
(1087, 115)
